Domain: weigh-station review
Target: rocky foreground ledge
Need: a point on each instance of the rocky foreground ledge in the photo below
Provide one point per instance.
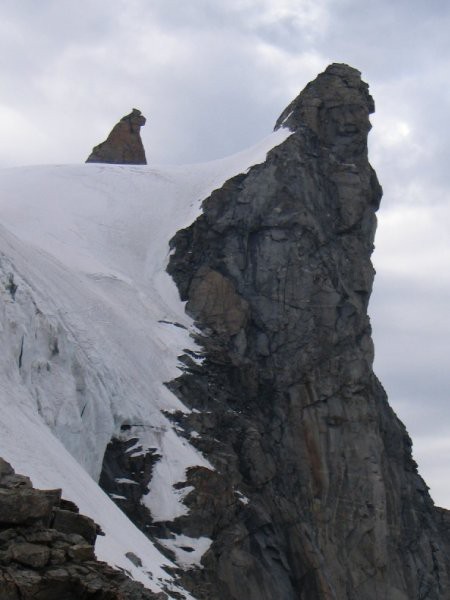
(47, 548)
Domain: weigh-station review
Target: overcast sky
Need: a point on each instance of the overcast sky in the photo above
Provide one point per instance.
(212, 76)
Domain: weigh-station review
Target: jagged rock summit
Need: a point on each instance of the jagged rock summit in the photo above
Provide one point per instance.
(123, 146)
(336, 107)
(319, 498)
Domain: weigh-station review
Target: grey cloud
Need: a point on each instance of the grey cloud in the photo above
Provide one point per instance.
(411, 329)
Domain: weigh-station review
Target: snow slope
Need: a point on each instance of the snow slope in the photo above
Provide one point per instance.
(87, 334)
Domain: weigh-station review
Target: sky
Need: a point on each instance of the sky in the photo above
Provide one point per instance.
(212, 76)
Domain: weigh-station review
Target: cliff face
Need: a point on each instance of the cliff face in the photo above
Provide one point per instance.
(316, 494)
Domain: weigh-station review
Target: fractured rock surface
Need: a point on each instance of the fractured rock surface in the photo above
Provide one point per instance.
(319, 497)
(47, 549)
(123, 146)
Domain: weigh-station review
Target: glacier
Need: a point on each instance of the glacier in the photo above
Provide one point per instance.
(91, 327)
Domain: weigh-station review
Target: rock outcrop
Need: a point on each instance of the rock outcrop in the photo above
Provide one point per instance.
(47, 548)
(125, 476)
(123, 146)
(316, 495)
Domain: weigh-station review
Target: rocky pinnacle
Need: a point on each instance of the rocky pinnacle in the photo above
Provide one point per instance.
(315, 495)
(123, 145)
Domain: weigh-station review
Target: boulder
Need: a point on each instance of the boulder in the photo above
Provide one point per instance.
(24, 505)
(30, 555)
(69, 522)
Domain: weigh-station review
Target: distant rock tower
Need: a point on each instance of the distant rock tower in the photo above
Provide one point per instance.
(123, 145)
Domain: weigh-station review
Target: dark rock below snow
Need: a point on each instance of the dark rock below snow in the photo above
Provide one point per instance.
(123, 146)
(126, 472)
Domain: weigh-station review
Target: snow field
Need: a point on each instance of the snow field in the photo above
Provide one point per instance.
(87, 337)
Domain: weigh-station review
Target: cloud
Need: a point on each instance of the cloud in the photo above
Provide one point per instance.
(205, 75)
(411, 327)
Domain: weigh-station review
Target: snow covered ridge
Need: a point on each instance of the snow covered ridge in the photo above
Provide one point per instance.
(85, 328)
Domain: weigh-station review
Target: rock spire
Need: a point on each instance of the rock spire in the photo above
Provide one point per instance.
(319, 495)
(123, 146)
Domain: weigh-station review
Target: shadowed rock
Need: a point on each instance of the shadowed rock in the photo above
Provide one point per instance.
(123, 146)
(320, 498)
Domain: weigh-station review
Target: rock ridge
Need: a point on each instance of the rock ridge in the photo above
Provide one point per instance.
(319, 496)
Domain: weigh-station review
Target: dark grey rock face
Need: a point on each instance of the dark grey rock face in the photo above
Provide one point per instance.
(123, 146)
(125, 476)
(316, 495)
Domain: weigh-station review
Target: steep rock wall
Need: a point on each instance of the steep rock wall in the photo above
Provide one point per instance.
(316, 494)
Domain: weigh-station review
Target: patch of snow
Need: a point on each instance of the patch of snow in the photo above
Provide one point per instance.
(188, 551)
(286, 117)
(164, 501)
(125, 480)
(135, 450)
(241, 497)
(197, 358)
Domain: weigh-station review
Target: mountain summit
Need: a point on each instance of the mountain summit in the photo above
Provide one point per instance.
(320, 498)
